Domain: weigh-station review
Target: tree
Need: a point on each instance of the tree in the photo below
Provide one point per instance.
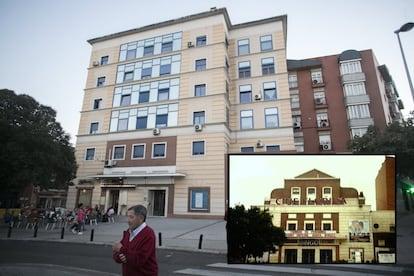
(395, 139)
(251, 233)
(34, 148)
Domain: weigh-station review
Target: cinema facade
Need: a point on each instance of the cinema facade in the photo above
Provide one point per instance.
(327, 223)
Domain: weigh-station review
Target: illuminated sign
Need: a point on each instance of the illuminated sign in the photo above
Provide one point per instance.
(317, 201)
(309, 242)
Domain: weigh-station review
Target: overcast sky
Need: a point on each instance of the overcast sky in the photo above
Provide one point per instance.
(44, 53)
(253, 177)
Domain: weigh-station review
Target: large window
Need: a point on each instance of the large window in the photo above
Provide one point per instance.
(293, 80)
(141, 122)
(243, 47)
(163, 94)
(245, 93)
(269, 91)
(199, 117)
(199, 199)
(143, 96)
(358, 111)
(148, 50)
(354, 89)
(350, 67)
(294, 101)
(266, 43)
(246, 119)
(310, 193)
(268, 66)
(198, 148)
(161, 120)
(295, 193)
(244, 69)
(199, 90)
(271, 117)
(201, 40)
(159, 150)
(94, 128)
(316, 76)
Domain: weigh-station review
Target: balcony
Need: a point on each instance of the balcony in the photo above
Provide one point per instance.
(358, 99)
(358, 76)
(361, 122)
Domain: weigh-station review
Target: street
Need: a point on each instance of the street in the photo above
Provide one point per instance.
(49, 258)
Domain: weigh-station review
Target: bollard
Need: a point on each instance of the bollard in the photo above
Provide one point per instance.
(159, 239)
(62, 233)
(36, 227)
(200, 241)
(92, 232)
(10, 231)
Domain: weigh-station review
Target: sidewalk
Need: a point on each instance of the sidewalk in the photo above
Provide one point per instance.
(175, 233)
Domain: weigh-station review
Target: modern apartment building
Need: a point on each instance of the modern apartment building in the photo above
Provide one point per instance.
(336, 97)
(164, 103)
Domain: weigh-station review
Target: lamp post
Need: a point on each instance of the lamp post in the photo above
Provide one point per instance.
(405, 28)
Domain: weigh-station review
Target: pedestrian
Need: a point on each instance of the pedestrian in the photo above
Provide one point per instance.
(79, 221)
(136, 251)
(111, 214)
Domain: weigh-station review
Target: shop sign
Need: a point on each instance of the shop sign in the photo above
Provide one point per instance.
(309, 242)
(317, 201)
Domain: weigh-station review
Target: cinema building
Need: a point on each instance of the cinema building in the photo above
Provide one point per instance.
(323, 222)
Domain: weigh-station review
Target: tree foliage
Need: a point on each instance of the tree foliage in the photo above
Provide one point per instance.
(395, 139)
(34, 148)
(251, 233)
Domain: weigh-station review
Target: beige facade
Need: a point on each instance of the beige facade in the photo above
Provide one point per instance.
(164, 103)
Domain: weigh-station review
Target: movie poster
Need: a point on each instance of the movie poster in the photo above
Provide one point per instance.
(359, 231)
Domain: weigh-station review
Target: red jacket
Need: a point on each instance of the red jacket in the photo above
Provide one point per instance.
(140, 254)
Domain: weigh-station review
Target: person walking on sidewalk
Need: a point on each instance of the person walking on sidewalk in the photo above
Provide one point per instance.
(136, 251)
(79, 222)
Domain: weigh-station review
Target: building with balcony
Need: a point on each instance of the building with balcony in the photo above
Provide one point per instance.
(337, 97)
(164, 103)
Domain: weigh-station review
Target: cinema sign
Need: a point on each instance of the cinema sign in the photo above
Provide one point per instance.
(316, 201)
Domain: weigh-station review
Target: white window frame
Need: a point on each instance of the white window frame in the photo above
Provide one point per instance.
(113, 152)
(153, 148)
(132, 151)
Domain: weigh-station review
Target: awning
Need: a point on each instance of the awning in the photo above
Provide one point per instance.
(143, 175)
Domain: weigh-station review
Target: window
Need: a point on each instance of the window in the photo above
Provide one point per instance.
(293, 80)
(104, 60)
(354, 89)
(158, 150)
(243, 47)
(309, 226)
(317, 76)
(322, 119)
(125, 100)
(101, 81)
(294, 101)
(165, 69)
(271, 117)
(199, 90)
(131, 53)
(266, 43)
(163, 94)
(311, 193)
(141, 122)
(358, 111)
(246, 119)
(97, 103)
(149, 50)
(273, 148)
(327, 192)
(90, 154)
(143, 97)
(350, 67)
(138, 151)
(245, 93)
(201, 40)
(268, 66)
(200, 64)
(269, 91)
(199, 117)
(295, 193)
(247, 149)
(167, 47)
(128, 76)
(199, 199)
(244, 69)
(358, 132)
(94, 128)
(161, 120)
(123, 124)
(146, 72)
(291, 226)
(119, 153)
(198, 148)
(319, 96)
(326, 226)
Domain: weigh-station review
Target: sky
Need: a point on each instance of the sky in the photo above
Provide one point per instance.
(44, 51)
(253, 177)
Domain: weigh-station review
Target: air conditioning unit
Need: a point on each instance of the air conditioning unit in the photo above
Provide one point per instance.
(259, 144)
(325, 146)
(190, 44)
(95, 63)
(296, 125)
(198, 127)
(315, 81)
(109, 163)
(257, 97)
(323, 123)
(319, 101)
(156, 131)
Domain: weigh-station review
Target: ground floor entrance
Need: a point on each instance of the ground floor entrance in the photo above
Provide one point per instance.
(156, 203)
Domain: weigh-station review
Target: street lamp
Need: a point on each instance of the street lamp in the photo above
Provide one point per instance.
(405, 28)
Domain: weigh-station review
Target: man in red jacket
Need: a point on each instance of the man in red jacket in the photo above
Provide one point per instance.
(136, 251)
